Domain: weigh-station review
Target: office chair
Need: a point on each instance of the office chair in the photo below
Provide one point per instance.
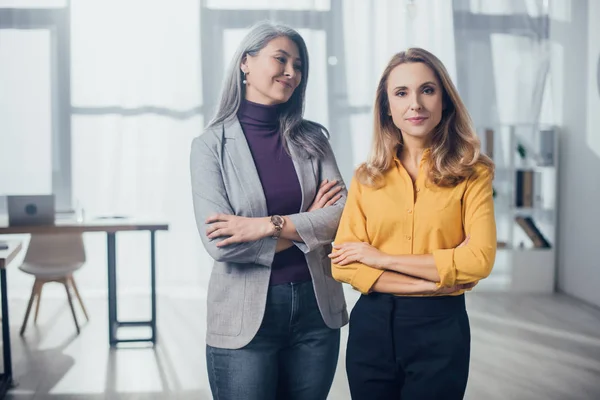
(54, 258)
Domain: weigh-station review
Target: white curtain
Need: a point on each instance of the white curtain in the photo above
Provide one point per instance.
(504, 59)
(136, 90)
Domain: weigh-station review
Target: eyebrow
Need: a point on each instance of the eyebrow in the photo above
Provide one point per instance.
(287, 54)
(424, 84)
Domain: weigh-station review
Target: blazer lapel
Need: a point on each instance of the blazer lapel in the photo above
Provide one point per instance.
(307, 176)
(238, 150)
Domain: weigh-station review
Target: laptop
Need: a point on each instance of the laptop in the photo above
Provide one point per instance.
(30, 210)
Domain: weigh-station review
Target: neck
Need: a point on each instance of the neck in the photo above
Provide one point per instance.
(255, 97)
(412, 150)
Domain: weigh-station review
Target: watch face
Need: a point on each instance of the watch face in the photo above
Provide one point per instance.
(277, 220)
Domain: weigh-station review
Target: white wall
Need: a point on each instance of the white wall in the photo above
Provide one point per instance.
(579, 178)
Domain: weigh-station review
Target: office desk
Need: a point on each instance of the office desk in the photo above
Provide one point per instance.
(111, 227)
(6, 256)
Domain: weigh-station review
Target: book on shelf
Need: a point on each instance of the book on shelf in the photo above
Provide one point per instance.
(489, 143)
(524, 188)
(547, 153)
(536, 236)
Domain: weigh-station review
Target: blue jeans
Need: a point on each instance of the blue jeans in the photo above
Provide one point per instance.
(293, 356)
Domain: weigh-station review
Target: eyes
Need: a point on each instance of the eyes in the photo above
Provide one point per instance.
(428, 90)
(283, 60)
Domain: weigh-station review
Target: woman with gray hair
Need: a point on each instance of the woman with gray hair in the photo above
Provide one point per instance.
(268, 197)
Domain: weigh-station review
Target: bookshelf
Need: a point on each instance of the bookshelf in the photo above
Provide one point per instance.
(525, 197)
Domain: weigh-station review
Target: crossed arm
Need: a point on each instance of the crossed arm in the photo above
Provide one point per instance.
(236, 229)
(402, 274)
(368, 269)
(231, 238)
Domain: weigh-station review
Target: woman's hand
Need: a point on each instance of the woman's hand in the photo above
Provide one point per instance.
(238, 229)
(434, 289)
(364, 253)
(464, 242)
(327, 195)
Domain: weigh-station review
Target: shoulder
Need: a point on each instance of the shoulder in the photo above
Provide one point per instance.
(311, 140)
(360, 179)
(211, 136)
(208, 144)
(482, 176)
(482, 170)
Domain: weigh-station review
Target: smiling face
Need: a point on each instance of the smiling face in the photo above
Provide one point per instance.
(415, 100)
(274, 73)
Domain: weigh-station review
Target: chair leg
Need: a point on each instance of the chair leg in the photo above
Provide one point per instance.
(78, 297)
(65, 283)
(33, 294)
(39, 300)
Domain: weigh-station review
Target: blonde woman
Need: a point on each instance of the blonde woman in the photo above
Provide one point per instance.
(417, 230)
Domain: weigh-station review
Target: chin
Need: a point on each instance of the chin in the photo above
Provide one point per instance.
(275, 95)
(420, 132)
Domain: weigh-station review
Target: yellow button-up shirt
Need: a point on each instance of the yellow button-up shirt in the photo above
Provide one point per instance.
(404, 218)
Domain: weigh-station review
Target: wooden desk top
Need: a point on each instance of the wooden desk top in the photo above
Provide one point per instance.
(6, 256)
(91, 225)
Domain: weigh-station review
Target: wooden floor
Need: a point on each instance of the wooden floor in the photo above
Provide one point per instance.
(524, 347)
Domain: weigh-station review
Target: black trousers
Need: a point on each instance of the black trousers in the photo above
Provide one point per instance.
(409, 348)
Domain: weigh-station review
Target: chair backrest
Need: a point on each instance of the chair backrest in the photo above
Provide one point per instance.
(55, 249)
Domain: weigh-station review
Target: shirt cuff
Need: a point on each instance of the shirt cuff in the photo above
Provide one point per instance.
(365, 277)
(266, 254)
(444, 262)
(306, 231)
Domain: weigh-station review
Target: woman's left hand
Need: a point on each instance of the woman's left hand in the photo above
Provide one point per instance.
(238, 229)
(364, 253)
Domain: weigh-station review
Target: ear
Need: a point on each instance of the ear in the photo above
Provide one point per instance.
(244, 64)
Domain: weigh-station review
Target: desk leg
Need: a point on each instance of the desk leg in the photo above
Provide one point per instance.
(6, 381)
(153, 283)
(112, 287)
(113, 321)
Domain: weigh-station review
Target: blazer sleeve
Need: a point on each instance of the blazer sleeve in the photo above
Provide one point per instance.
(318, 227)
(474, 261)
(210, 197)
(353, 228)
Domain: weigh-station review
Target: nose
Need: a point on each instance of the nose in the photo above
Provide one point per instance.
(290, 71)
(415, 103)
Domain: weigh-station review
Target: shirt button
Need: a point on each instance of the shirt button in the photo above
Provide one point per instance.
(418, 190)
(409, 211)
(408, 237)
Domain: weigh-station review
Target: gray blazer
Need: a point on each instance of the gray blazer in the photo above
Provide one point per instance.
(225, 180)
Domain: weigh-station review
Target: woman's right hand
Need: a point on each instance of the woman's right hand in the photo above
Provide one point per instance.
(328, 194)
(432, 288)
(455, 288)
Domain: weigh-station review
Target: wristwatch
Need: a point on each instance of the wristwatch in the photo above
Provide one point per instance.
(277, 221)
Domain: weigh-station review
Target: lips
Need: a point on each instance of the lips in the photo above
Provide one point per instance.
(288, 85)
(416, 120)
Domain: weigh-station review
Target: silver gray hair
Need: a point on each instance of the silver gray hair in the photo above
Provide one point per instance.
(307, 137)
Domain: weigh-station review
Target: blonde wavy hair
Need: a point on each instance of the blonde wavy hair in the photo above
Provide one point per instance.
(455, 148)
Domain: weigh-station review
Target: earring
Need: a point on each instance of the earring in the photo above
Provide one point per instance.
(245, 82)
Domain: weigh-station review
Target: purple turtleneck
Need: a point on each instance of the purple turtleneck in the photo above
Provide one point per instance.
(277, 174)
